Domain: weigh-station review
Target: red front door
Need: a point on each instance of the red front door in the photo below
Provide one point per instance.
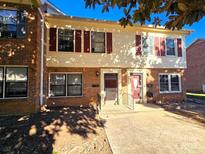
(136, 86)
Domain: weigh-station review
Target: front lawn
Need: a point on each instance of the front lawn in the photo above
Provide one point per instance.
(195, 95)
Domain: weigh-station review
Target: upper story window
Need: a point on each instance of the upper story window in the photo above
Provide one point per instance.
(65, 40)
(98, 42)
(12, 24)
(147, 44)
(170, 47)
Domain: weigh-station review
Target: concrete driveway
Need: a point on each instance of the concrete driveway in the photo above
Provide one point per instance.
(153, 131)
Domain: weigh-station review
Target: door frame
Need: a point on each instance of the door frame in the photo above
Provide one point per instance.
(102, 84)
(143, 74)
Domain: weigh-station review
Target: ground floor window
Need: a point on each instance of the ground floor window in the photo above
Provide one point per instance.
(13, 82)
(170, 83)
(65, 84)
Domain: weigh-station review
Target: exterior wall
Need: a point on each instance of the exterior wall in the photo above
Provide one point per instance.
(195, 72)
(23, 52)
(150, 76)
(153, 79)
(90, 93)
(124, 50)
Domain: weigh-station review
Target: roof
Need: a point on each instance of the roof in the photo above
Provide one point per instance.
(48, 4)
(195, 42)
(142, 27)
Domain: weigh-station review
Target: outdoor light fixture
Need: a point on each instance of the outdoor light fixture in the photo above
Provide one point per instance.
(97, 73)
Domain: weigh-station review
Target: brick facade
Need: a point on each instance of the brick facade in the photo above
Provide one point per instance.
(23, 52)
(90, 93)
(153, 79)
(89, 79)
(195, 72)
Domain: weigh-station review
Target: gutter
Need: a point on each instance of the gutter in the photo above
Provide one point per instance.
(42, 56)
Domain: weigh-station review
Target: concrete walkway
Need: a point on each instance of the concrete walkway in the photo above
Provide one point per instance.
(151, 130)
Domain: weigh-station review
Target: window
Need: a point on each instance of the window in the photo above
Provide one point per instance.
(13, 82)
(147, 44)
(57, 85)
(16, 82)
(170, 83)
(74, 84)
(175, 83)
(170, 46)
(65, 40)
(98, 42)
(12, 24)
(164, 84)
(65, 85)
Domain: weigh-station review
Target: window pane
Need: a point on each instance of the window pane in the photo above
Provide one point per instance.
(16, 89)
(170, 47)
(74, 85)
(8, 23)
(57, 79)
(175, 83)
(74, 79)
(57, 85)
(16, 74)
(98, 42)
(147, 43)
(56, 90)
(164, 84)
(1, 82)
(74, 90)
(65, 40)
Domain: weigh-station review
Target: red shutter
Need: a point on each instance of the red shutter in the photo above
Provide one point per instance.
(109, 42)
(138, 45)
(156, 46)
(87, 41)
(78, 41)
(179, 47)
(52, 41)
(162, 46)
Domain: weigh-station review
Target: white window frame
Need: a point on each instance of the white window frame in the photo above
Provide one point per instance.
(175, 46)
(169, 83)
(152, 49)
(64, 73)
(4, 81)
(74, 44)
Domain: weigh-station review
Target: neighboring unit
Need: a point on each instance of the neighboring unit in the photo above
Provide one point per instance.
(19, 57)
(195, 72)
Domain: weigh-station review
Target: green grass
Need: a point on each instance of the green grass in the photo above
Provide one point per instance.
(196, 95)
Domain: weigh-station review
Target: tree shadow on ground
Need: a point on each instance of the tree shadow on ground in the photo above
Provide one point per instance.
(35, 133)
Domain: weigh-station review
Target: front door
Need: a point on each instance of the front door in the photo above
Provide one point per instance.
(136, 86)
(111, 87)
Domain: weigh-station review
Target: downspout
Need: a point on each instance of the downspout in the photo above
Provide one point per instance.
(42, 56)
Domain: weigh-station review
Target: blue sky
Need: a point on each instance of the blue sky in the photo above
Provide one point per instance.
(77, 8)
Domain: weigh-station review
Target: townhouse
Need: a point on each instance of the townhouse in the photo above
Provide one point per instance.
(53, 59)
(195, 72)
(87, 58)
(20, 56)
